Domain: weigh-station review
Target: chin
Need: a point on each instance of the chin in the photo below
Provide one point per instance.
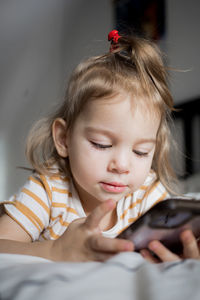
(116, 198)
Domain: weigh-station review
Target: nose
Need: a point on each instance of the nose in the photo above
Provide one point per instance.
(119, 163)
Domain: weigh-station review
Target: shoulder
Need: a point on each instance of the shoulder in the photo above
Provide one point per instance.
(151, 192)
(153, 186)
(44, 185)
(55, 184)
(152, 183)
(151, 178)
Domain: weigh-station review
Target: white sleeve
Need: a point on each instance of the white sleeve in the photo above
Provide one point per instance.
(30, 207)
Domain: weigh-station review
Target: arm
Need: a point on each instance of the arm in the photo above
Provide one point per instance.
(13, 239)
(82, 241)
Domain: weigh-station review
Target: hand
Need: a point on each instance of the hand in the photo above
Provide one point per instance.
(191, 249)
(83, 240)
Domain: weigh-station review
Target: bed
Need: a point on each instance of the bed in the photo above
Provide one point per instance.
(125, 276)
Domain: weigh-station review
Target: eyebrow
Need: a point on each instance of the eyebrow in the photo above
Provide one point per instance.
(144, 141)
(110, 133)
(99, 130)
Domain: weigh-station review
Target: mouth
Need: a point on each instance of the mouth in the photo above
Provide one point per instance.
(113, 187)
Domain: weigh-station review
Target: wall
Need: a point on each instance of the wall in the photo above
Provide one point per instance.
(183, 47)
(41, 41)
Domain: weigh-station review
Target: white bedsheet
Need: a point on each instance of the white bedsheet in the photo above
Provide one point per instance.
(126, 276)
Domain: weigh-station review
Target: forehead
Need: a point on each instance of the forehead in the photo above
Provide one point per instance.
(119, 112)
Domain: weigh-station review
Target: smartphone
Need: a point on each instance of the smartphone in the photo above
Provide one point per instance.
(164, 222)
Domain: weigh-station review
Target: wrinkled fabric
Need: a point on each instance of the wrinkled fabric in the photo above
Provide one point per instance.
(126, 276)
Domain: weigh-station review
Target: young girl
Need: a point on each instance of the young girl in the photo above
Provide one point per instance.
(99, 162)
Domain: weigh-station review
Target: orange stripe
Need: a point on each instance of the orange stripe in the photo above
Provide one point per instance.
(35, 181)
(132, 205)
(53, 234)
(61, 191)
(131, 220)
(162, 197)
(72, 210)
(56, 204)
(57, 177)
(128, 195)
(37, 199)
(54, 218)
(30, 215)
(151, 189)
(140, 200)
(122, 229)
(48, 190)
(143, 187)
(63, 223)
(69, 209)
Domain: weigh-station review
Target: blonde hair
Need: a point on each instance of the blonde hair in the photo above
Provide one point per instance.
(134, 66)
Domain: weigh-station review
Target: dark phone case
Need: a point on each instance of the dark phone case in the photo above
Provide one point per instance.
(165, 221)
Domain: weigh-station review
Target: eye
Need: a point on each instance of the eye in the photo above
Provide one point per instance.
(139, 153)
(100, 146)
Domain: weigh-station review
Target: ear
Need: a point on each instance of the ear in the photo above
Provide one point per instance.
(59, 132)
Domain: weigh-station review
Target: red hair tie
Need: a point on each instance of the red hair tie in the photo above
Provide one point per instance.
(113, 36)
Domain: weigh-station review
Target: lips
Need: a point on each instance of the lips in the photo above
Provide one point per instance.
(113, 187)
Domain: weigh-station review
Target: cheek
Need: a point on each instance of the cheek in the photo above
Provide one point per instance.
(86, 161)
(140, 172)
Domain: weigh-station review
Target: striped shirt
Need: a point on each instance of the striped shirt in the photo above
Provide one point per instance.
(46, 205)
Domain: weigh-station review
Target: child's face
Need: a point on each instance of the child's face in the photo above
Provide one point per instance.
(111, 148)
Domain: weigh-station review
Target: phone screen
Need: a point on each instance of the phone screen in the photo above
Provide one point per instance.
(164, 223)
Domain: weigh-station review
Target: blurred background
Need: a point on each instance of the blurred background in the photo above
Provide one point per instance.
(41, 41)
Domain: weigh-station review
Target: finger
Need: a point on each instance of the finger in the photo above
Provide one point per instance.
(148, 256)
(162, 252)
(103, 244)
(190, 245)
(93, 220)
